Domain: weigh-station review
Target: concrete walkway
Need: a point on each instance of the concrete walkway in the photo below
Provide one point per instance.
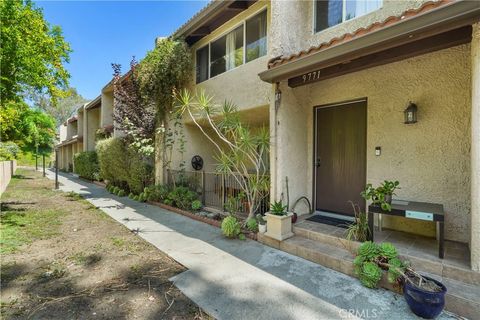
(234, 279)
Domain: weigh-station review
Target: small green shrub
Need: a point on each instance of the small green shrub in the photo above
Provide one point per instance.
(122, 166)
(121, 193)
(156, 192)
(135, 198)
(196, 205)
(231, 228)
(86, 165)
(142, 197)
(131, 195)
(252, 224)
(115, 190)
(181, 197)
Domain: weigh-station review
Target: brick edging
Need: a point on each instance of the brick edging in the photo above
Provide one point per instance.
(99, 183)
(212, 222)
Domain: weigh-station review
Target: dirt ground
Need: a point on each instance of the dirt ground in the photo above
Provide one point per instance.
(62, 258)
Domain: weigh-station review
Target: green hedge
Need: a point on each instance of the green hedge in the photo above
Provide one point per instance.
(122, 166)
(86, 165)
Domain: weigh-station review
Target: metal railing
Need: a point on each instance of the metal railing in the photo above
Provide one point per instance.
(215, 189)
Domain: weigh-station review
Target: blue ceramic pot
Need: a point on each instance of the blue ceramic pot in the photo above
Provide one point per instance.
(423, 303)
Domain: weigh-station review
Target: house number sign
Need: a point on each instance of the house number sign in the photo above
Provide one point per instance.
(305, 78)
(311, 76)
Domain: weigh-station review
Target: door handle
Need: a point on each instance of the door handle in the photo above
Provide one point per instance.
(318, 162)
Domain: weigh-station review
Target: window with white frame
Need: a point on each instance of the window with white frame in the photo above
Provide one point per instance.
(245, 43)
(332, 12)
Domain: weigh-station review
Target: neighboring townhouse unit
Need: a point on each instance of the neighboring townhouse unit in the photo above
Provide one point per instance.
(229, 46)
(71, 142)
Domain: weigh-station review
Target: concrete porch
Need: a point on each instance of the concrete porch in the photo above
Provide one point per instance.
(327, 246)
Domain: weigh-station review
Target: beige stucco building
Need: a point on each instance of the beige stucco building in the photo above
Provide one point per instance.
(332, 81)
(382, 56)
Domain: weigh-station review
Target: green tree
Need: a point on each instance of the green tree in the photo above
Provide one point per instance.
(64, 108)
(32, 129)
(32, 52)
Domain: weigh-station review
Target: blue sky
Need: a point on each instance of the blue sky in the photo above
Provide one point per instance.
(102, 32)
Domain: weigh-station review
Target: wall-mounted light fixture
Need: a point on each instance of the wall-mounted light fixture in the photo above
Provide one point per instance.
(278, 96)
(410, 113)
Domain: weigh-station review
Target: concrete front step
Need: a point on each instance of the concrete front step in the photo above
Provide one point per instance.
(335, 236)
(461, 298)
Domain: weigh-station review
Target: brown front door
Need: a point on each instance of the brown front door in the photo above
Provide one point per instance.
(340, 156)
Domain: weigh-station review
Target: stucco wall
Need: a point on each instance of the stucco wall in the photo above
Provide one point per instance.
(292, 24)
(62, 132)
(92, 125)
(80, 123)
(107, 109)
(431, 159)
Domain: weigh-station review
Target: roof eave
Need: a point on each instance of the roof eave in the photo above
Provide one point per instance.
(200, 18)
(441, 19)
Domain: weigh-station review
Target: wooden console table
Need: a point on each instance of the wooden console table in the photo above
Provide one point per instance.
(413, 210)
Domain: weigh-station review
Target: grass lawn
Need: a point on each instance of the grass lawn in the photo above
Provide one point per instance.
(62, 258)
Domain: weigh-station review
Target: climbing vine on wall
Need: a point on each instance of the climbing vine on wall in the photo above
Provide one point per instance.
(164, 70)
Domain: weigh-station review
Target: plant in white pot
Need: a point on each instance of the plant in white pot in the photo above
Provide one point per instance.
(279, 222)
(262, 224)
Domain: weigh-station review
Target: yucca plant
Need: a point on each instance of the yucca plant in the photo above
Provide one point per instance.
(240, 150)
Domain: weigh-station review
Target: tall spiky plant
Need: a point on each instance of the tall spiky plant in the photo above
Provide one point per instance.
(240, 150)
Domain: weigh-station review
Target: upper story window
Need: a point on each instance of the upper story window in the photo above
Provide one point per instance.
(332, 12)
(243, 44)
(226, 53)
(256, 36)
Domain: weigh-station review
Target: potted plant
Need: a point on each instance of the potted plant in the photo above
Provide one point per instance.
(279, 222)
(425, 296)
(262, 224)
(381, 195)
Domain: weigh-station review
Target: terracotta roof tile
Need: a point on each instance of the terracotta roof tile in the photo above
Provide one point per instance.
(408, 14)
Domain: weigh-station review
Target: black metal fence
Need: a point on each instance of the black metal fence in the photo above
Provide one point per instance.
(215, 189)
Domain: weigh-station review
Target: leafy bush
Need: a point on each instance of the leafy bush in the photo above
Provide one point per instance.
(181, 197)
(231, 228)
(252, 224)
(123, 166)
(142, 197)
(131, 195)
(8, 151)
(86, 165)
(121, 193)
(156, 192)
(197, 205)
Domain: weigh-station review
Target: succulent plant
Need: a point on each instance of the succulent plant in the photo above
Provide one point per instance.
(388, 250)
(368, 250)
(371, 274)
